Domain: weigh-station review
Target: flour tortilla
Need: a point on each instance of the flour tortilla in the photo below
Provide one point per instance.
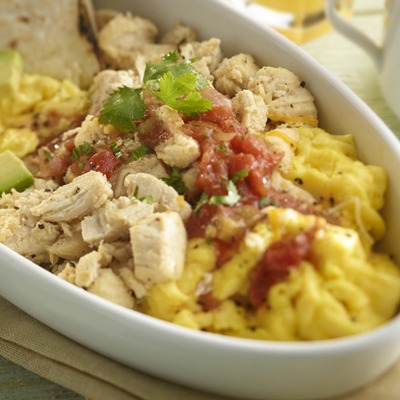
(55, 37)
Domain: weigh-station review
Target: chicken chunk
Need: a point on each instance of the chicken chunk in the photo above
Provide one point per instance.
(166, 198)
(112, 222)
(178, 151)
(87, 268)
(285, 95)
(233, 74)
(76, 199)
(110, 286)
(27, 236)
(67, 273)
(250, 110)
(159, 246)
(172, 146)
(106, 82)
(130, 280)
(178, 35)
(20, 230)
(103, 16)
(68, 248)
(189, 178)
(125, 37)
(208, 51)
(148, 163)
(90, 132)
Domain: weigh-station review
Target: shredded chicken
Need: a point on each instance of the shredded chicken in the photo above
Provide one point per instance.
(233, 74)
(206, 54)
(68, 248)
(111, 287)
(113, 221)
(286, 96)
(178, 149)
(178, 35)
(124, 37)
(166, 198)
(159, 246)
(76, 199)
(148, 163)
(251, 111)
(89, 264)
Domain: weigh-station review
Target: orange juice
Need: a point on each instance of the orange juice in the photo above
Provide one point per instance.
(299, 20)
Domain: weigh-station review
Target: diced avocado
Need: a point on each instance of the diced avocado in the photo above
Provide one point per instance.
(11, 68)
(13, 173)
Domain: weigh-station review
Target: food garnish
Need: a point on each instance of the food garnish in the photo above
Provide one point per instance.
(175, 84)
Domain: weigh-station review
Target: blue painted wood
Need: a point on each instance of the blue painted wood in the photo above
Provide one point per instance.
(17, 383)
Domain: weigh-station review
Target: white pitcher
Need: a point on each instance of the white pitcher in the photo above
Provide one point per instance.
(386, 57)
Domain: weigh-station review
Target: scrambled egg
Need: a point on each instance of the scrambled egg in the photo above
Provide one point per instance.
(345, 289)
(42, 106)
(327, 166)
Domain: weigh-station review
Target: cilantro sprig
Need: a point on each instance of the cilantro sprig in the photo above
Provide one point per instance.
(232, 196)
(122, 107)
(140, 151)
(176, 84)
(230, 199)
(180, 94)
(175, 180)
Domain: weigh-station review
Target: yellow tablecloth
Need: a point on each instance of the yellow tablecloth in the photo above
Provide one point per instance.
(37, 348)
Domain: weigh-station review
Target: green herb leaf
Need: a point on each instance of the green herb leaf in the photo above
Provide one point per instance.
(122, 107)
(179, 93)
(176, 84)
(140, 151)
(230, 199)
(47, 154)
(116, 150)
(175, 180)
(239, 175)
(86, 148)
(154, 71)
(169, 63)
(76, 153)
(203, 200)
(265, 201)
(149, 199)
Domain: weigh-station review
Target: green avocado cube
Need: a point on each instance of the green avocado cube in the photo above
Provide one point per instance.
(11, 68)
(13, 173)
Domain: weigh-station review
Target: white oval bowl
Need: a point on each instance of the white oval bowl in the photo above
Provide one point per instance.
(248, 369)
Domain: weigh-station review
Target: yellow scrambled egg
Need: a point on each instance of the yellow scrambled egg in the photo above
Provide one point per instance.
(345, 289)
(327, 166)
(26, 114)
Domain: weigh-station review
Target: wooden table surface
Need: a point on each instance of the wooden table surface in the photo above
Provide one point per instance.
(348, 63)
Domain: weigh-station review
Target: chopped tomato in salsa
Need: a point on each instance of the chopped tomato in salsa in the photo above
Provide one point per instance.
(103, 161)
(226, 149)
(55, 159)
(276, 263)
(208, 302)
